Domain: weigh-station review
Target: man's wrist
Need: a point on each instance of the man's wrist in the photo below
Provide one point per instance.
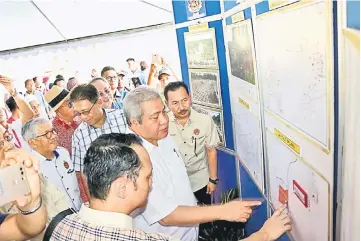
(214, 180)
(31, 208)
(219, 212)
(262, 236)
(13, 92)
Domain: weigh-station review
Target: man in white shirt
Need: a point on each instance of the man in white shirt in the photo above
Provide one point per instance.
(55, 162)
(15, 122)
(172, 208)
(21, 113)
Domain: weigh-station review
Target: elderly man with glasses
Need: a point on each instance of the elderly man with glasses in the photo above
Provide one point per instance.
(55, 163)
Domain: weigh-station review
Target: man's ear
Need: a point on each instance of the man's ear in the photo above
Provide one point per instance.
(134, 122)
(33, 144)
(100, 101)
(120, 186)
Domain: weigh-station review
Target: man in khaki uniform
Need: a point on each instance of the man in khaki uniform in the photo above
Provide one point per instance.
(196, 136)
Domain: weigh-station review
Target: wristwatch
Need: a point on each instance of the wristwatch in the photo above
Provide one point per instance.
(214, 181)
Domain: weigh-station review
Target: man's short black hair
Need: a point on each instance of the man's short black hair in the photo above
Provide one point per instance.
(105, 69)
(57, 80)
(108, 158)
(35, 78)
(130, 59)
(11, 104)
(27, 81)
(84, 92)
(59, 76)
(173, 86)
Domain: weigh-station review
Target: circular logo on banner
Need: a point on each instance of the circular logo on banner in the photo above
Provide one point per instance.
(196, 132)
(194, 5)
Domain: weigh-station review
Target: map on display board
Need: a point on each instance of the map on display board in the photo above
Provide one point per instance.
(247, 132)
(242, 57)
(307, 193)
(295, 67)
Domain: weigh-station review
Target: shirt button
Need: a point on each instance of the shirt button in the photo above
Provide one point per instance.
(62, 177)
(67, 188)
(185, 142)
(185, 154)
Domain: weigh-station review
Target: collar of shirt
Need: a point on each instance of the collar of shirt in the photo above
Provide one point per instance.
(66, 124)
(117, 93)
(106, 111)
(42, 158)
(102, 218)
(146, 144)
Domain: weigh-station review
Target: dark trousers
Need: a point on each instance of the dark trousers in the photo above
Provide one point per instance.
(203, 199)
(202, 196)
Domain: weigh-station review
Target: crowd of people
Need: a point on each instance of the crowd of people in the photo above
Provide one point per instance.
(122, 157)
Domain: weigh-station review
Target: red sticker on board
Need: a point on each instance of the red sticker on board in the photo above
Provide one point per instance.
(300, 193)
(282, 195)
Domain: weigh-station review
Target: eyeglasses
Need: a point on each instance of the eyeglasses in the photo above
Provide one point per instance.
(112, 78)
(87, 112)
(106, 92)
(35, 107)
(48, 134)
(7, 137)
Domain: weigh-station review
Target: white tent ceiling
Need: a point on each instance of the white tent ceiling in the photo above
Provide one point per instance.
(29, 23)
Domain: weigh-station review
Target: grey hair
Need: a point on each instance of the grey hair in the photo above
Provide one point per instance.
(96, 79)
(133, 101)
(29, 129)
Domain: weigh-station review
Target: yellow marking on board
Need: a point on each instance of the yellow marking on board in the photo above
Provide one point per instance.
(198, 27)
(244, 103)
(288, 141)
(279, 3)
(237, 17)
(353, 36)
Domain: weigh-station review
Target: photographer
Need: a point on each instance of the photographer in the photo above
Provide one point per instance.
(32, 217)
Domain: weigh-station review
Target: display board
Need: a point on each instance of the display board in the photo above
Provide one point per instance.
(294, 67)
(239, 37)
(293, 181)
(247, 135)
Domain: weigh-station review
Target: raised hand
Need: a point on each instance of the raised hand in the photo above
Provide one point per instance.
(31, 166)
